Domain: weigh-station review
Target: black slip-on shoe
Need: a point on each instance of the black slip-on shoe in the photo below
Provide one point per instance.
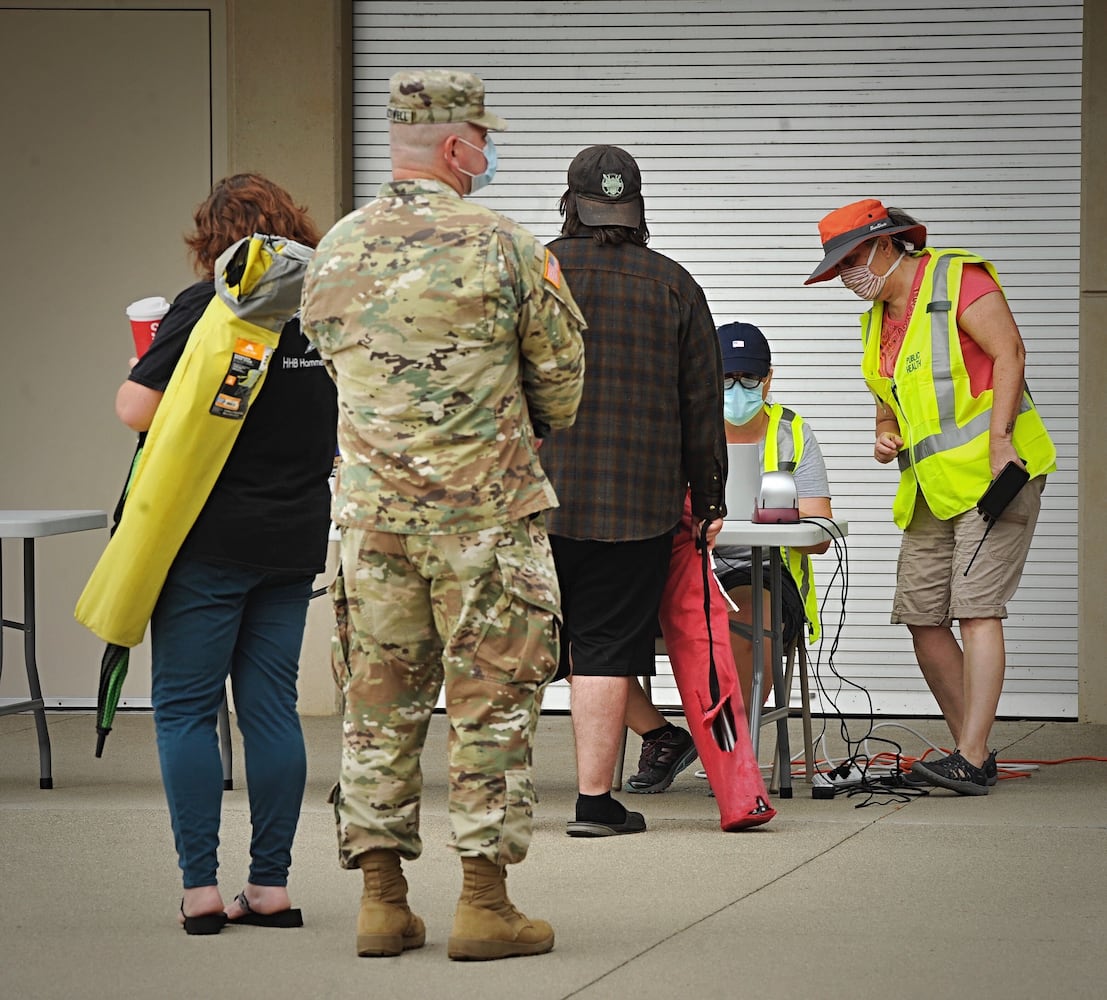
(634, 823)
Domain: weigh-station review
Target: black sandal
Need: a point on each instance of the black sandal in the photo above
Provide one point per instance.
(207, 923)
(282, 918)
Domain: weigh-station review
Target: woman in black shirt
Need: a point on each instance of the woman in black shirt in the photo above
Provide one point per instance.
(235, 600)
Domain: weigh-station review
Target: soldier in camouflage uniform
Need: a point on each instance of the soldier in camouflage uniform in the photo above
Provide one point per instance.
(455, 344)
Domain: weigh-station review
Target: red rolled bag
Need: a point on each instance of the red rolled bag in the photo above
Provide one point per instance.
(695, 625)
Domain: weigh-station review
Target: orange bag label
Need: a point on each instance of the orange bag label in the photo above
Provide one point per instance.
(250, 349)
(248, 364)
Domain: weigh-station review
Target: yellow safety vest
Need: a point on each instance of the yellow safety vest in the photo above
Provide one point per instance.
(944, 427)
(783, 451)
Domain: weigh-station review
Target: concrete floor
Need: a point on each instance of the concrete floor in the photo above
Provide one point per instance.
(1001, 896)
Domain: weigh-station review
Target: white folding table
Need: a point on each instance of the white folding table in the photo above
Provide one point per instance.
(29, 525)
(773, 537)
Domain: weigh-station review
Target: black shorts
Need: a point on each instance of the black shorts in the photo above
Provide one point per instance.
(791, 605)
(610, 593)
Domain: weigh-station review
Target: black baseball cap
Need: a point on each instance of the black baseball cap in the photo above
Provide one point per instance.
(608, 187)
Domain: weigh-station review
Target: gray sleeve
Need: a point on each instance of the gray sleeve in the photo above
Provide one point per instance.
(811, 479)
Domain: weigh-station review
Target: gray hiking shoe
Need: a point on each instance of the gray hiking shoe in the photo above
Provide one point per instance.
(955, 773)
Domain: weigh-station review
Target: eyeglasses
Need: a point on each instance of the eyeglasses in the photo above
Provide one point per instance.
(744, 379)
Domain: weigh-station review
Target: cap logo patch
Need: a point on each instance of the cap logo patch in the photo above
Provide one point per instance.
(612, 185)
(737, 343)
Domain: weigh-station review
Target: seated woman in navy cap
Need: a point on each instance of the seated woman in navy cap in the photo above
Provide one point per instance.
(786, 443)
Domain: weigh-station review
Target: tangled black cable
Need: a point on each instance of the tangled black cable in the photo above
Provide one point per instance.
(893, 787)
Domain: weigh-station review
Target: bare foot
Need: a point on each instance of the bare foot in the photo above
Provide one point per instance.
(262, 899)
(201, 901)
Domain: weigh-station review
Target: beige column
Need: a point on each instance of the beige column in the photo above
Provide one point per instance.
(1092, 488)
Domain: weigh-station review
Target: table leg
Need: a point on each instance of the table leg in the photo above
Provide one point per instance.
(775, 633)
(45, 771)
(783, 748)
(27, 627)
(757, 639)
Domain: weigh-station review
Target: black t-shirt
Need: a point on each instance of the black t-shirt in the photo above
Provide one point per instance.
(270, 506)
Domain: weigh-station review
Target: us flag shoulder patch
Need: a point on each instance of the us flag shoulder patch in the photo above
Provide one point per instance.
(552, 271)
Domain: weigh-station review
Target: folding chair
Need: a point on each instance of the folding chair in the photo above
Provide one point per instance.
(795, 653)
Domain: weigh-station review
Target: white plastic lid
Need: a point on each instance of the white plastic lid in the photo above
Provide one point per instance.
(152, 307)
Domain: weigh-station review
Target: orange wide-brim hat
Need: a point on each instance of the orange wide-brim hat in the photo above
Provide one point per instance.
(846, 228)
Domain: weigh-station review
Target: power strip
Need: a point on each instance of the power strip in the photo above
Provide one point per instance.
(835, 779)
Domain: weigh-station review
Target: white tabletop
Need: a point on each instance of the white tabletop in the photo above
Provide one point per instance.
(794, 533)
(38, 523)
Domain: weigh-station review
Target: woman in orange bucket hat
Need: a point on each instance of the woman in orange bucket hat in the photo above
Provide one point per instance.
(944, 360)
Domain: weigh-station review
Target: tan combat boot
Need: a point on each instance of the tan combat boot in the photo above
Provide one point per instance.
(385, 923)
(486, 925)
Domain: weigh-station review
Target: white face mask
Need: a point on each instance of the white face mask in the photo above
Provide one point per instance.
(862, 282)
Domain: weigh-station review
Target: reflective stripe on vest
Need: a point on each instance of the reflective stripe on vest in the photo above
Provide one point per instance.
(783, 452)
(950, 436)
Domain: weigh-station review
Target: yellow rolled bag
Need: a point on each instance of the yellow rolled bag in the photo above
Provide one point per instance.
(219, 374)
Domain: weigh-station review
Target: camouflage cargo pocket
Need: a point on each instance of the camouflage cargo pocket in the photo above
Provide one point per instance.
(522, 637)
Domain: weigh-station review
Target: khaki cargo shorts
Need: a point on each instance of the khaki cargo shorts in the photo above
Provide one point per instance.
(931, 585)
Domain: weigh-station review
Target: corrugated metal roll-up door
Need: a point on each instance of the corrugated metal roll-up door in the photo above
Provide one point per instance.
(750, 122)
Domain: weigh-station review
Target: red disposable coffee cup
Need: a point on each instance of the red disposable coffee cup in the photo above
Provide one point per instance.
(145, 316)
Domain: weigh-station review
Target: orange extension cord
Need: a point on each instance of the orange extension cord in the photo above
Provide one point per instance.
(887, 759)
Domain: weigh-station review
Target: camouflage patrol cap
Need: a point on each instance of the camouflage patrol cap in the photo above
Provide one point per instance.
(421, 97)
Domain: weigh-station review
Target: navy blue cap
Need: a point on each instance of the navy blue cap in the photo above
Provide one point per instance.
(744, 349)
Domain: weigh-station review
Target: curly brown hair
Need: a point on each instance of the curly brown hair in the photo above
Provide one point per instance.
(240, 206)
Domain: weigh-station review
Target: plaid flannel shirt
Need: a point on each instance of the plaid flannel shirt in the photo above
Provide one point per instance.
(649, 426)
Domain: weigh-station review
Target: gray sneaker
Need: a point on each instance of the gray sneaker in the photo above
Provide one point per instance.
(991, 772)
(953, 772)
(662, 760)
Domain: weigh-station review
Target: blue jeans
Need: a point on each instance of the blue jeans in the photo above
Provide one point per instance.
(213, 621)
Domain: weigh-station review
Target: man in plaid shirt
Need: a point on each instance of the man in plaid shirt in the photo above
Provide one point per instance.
(649, 430)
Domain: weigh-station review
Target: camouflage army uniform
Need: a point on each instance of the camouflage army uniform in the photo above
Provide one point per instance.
(450, 335)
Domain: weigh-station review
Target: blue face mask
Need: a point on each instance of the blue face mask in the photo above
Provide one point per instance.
(741, 405)
(484, 178)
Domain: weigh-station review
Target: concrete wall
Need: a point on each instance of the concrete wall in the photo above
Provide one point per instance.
(289, 116)
(288, 98)
(108, 143)
(1093, 370)
(124, 115)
